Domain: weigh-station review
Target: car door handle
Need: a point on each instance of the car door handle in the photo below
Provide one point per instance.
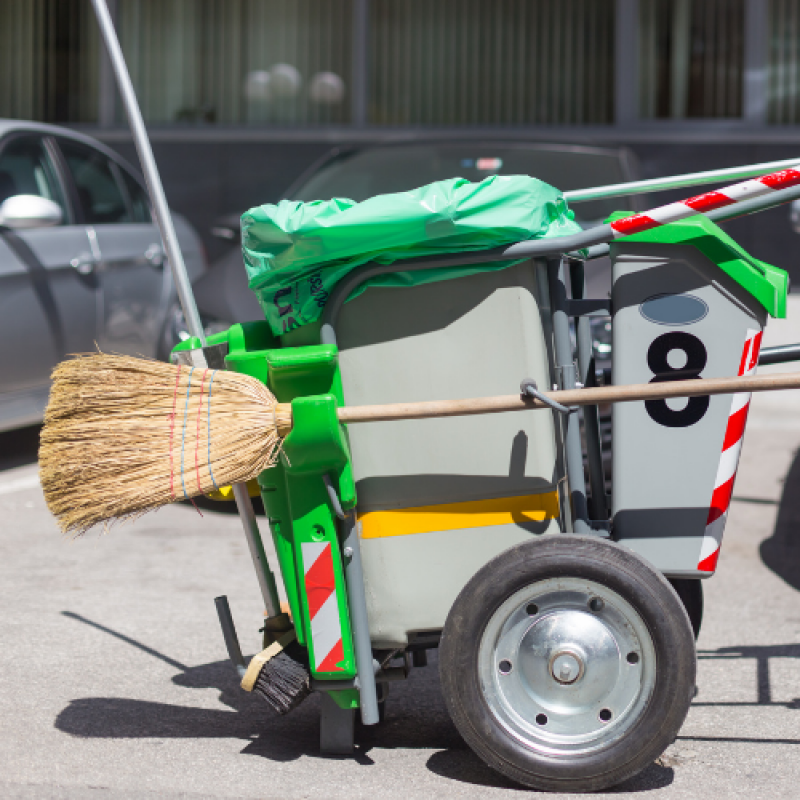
(155, 256)
(84, 264)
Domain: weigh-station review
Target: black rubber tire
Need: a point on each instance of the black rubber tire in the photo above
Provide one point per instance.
(690, 591)
(615, 568)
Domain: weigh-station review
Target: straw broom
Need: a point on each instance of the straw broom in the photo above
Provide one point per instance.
(124, 435)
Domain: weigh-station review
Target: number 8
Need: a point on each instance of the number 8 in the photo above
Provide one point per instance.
(696, 358)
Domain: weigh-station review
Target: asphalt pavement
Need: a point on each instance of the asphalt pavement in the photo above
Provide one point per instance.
(115, 682)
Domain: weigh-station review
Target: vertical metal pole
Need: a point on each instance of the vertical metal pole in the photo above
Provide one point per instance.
(266, 580)
(160, 208)
(626, 61)
(359, 81)
(591, 421)
(358, 616)
(107, 92)
(183, 285)
(566, 376)
(756, 56)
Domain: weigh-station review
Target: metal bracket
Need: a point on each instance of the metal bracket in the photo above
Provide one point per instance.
(528, 388)
(334, 498)
(209, 357)
(598, 307)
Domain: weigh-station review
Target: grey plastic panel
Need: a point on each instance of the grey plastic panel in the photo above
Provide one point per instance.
(412, 582)
(467, 337)
(664, 476)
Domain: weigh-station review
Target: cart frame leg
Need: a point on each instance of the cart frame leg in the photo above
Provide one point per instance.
(566, 378)
(336, 728)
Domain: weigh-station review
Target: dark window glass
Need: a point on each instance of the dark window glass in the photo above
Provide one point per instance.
(140, 205)
(691, 58)
(98, 191)
(399, 169)
(26, 168)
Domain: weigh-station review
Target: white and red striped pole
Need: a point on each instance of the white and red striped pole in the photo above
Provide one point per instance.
(709, 201)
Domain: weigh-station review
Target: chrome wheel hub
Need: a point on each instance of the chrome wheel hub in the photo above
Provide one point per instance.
(566, 665)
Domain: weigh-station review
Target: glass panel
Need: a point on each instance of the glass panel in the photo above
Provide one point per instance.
(453, 62)
(26, 168)
(397, 169)
(49, 60)
(98, 192)
(691, 58)
(784, 62)
(140, 203)
(233, 61)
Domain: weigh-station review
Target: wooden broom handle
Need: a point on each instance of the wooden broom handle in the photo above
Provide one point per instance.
(573, 397)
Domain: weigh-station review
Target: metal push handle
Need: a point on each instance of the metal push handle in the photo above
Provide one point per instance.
(156, 191)
(183, 285)
(677, 181)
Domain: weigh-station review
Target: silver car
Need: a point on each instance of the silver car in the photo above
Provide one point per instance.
(81, 262)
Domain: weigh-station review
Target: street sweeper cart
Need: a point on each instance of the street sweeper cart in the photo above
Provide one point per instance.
(425, 402)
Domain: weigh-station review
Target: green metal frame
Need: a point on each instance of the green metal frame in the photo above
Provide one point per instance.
(294, 493)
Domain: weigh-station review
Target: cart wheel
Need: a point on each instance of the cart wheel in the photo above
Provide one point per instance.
(567, 663)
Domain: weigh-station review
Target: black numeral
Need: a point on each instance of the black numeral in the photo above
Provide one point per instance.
(696, 358)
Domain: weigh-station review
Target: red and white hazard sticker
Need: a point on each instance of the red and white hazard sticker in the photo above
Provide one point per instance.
(323, 606)
(729, 460)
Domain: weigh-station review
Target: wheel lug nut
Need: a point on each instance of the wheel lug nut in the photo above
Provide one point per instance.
(597, 604)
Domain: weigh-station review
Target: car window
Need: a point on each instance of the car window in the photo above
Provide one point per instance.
(26, 168)
(398, 169)
(140, 205)
(100, 195)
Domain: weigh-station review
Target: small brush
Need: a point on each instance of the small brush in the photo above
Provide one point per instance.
(278, 673)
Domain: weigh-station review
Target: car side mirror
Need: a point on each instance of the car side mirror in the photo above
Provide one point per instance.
(794, 215)
(24, 211)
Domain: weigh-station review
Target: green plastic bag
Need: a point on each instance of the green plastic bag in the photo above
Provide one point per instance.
(295, 253)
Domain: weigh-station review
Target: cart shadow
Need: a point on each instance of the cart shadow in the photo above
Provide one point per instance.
(416, 719)
(781, 552)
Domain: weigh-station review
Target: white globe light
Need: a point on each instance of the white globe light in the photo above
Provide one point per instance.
(285, 80)
(257, 85)
(326, 88)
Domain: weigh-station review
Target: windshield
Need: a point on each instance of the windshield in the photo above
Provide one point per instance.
(361, 175)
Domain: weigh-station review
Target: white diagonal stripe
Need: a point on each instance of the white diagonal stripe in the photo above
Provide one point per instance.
(740, 400)
(311, 552)
(671, 212)
(712, 539)
(326, 629)
(728, 462)
(746, 190)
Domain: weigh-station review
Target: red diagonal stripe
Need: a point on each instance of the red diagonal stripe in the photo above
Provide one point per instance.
(709, 563)
(330, 661)
(634, 224)
(745, 357)
(781, 180)
(708, 201)
(755, 350)
(735, 429)
(720, 500)
(320, 582)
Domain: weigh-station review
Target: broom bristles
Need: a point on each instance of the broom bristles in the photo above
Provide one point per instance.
(125, 435)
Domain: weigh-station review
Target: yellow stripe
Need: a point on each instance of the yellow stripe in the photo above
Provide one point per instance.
(452, 516)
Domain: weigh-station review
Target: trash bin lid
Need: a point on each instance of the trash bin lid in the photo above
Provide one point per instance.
(295, 252)
(768, 284)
